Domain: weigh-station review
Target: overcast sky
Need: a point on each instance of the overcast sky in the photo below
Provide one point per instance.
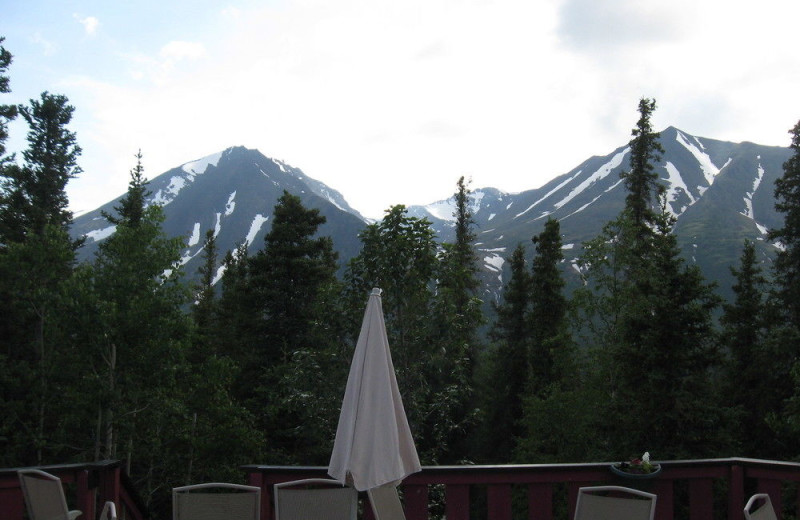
(391, 101)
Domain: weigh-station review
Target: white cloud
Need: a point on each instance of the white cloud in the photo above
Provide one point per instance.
(178, 50)
(390, 102)
(90, 23)
(47, 47)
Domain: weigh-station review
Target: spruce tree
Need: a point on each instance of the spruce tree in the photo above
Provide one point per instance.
(36, 258)
(787, 263)
(506, 377)
(752, 374)
(205, 309)
(548, 309)
(7, 112)
(458, 316)
(140, 352)
(656, 349)
(784, 302)
(34, 193)
(291, 280)
(641, 181)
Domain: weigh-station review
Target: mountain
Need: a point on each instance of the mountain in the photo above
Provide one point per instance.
(232, 192)
(720, 192)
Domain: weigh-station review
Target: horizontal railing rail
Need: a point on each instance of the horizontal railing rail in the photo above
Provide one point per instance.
(88, 487)
(712, 489)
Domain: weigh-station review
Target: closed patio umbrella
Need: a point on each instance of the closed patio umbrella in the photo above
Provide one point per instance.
(373, 445)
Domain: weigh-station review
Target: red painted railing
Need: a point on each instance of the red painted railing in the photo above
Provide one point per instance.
(87, 486)
(694, 489)
(715, 489)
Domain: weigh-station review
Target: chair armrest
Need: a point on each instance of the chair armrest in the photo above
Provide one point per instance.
(109, 511)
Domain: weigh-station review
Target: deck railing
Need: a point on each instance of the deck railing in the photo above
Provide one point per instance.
(714, 489)
(88, 487)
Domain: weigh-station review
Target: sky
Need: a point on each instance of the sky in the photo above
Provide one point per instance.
(391, 102)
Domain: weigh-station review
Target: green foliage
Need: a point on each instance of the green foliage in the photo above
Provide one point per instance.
(642, 180)
(456, 321)
(399, 255)
(33, 194)
(787, 263)
(7, 112)
(275, 320)
(548, 310)
(752, 372)
(652, 315)
(104, 361)
(504, 379)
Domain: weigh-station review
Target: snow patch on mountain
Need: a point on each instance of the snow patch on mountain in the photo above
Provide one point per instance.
(442, 210)
(218, 224)
(280, 165)
(99, 234)
(195, 238)
(168, 194)
(494, 262)
(561, 185)
(748, 198)
(255, 227)
(200, 166)
(710, 171)
(590, 202)
(178, 182)
(218, 275)
(675, 186)
(231, 205)
(600, 174)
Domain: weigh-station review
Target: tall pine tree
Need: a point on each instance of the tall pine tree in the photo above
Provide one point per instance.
(36, 258)
(505, 377)
(657, 352)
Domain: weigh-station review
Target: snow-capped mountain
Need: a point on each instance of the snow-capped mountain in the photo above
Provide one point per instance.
(720, 192)
(232, 192)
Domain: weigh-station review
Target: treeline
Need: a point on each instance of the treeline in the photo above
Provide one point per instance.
(121, 358)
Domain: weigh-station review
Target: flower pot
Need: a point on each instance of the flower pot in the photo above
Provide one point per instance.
(632, 473)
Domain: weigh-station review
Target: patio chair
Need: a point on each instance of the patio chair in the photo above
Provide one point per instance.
(386, 503)
(764, 511)
(216, 501)
(44, 496)
(614, 503)
(315, 498)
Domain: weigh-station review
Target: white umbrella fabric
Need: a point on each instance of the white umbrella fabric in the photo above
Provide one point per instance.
(373, 445)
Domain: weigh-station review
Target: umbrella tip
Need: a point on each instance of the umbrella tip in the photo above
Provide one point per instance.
(376, 291)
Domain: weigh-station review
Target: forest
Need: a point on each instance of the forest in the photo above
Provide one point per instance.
(122, 358)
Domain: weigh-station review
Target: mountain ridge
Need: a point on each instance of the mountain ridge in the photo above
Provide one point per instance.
(720, 192)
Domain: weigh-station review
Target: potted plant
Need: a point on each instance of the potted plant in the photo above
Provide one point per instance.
(637, 468)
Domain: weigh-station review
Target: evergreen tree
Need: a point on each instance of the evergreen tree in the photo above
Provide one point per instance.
(141, 349)
(548, 309)
(287, 276)
(36, 258)
(205, 310)
(34, 194)
(641, 181)
(784, 303)
(787, 263)
(753, 374)
(7, 112)
(555, 386)
(457, 317)
(507, 372)
(656, 323)
(292, 281)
